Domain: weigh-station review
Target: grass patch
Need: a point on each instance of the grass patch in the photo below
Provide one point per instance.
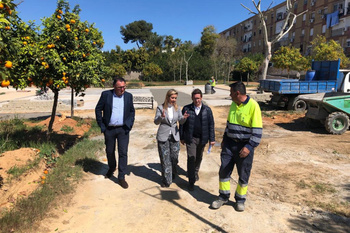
(16, 172)
(58, 183)
(323, 188)
(67, 129)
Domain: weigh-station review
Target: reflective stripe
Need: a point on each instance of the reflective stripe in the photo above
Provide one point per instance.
(224, 186)
(241, 190)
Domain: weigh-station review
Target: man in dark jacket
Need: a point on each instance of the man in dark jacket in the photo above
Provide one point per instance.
(115, 114)
(196, 132)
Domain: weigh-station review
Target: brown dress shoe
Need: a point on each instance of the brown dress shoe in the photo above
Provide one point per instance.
(123, 183)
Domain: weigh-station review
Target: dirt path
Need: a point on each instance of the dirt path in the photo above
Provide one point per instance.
(290, 162)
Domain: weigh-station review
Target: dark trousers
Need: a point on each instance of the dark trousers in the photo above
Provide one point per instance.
(230, 157)
(169, 157)
(113, 135)
(194, 158)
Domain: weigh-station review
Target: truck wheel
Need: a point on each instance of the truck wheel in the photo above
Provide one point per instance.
(337, 123)
(299, 105)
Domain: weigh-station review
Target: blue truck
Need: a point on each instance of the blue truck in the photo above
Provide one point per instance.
(324, 77)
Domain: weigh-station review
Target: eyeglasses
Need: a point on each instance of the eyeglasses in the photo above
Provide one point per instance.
(123, 87)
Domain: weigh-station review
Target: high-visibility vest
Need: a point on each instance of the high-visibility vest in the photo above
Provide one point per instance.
(244, 122)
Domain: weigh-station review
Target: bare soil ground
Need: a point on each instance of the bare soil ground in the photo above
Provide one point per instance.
(298, 175)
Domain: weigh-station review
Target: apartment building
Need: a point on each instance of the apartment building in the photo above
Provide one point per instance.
(330, 18)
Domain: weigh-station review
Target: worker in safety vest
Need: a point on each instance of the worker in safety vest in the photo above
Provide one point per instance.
(212, 84)
(242, 134)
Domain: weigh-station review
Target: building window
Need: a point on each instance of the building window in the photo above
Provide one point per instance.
(305, 2)
(324, 28)
(302, 32)
(295, 6)
(304, 17)
(348, 43)
(311, 32)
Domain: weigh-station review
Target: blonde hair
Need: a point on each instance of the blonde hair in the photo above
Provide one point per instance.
(167, 98)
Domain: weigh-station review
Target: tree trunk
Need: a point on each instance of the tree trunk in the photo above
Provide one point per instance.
(247, 78)
(72, 104)
(180, 70)
(266, 60)
(54, 108)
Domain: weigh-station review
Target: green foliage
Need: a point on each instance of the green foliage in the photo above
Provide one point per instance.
(247, 65)
(289, 58)
(208, 41)
(331, 51)
(137, 31)
(117, 70)
(151, 70)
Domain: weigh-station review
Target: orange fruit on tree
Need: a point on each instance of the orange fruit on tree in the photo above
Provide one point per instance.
(43, 182)
(57, 37)
(46, 171)
(43, 63)
(7, 28)
(64, 59)
(8, 64)
(94, 43)
(86, 30)
(60, 11)
(42, 58)
(84, 55)
(68, 30)
(27, 37)
(76, 38)
(103, 80)
(1, 6)
(66, 81)
(64, 73)
(59, 17)
(50, 81)
(67, 26)
(72, 21)
(5, 83)
(25, 42)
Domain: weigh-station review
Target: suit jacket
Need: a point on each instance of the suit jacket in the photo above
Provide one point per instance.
(166, 126)
(103, 110)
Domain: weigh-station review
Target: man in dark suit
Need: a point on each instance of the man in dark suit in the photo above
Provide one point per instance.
(115, 114)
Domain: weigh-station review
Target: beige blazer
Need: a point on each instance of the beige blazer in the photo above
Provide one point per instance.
(166, 126)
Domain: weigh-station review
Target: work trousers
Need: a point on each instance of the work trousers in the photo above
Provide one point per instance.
(230, 157)
(119, 135)
(169, 157)
(194, 158)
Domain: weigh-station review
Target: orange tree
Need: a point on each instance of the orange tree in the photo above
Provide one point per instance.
(70, 54)
(17, 47)
(289, 58)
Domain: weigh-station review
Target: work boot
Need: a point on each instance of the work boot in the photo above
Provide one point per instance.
(239, 206)
(218, 203)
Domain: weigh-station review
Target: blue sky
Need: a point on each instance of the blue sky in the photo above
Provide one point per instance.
(184, 19)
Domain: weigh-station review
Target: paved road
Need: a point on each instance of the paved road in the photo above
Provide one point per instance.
(159, 96)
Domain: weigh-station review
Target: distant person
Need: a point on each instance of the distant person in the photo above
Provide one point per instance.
(212, 84)
(115, 114)
(167, 116)
(196, 132)
(242, 134)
